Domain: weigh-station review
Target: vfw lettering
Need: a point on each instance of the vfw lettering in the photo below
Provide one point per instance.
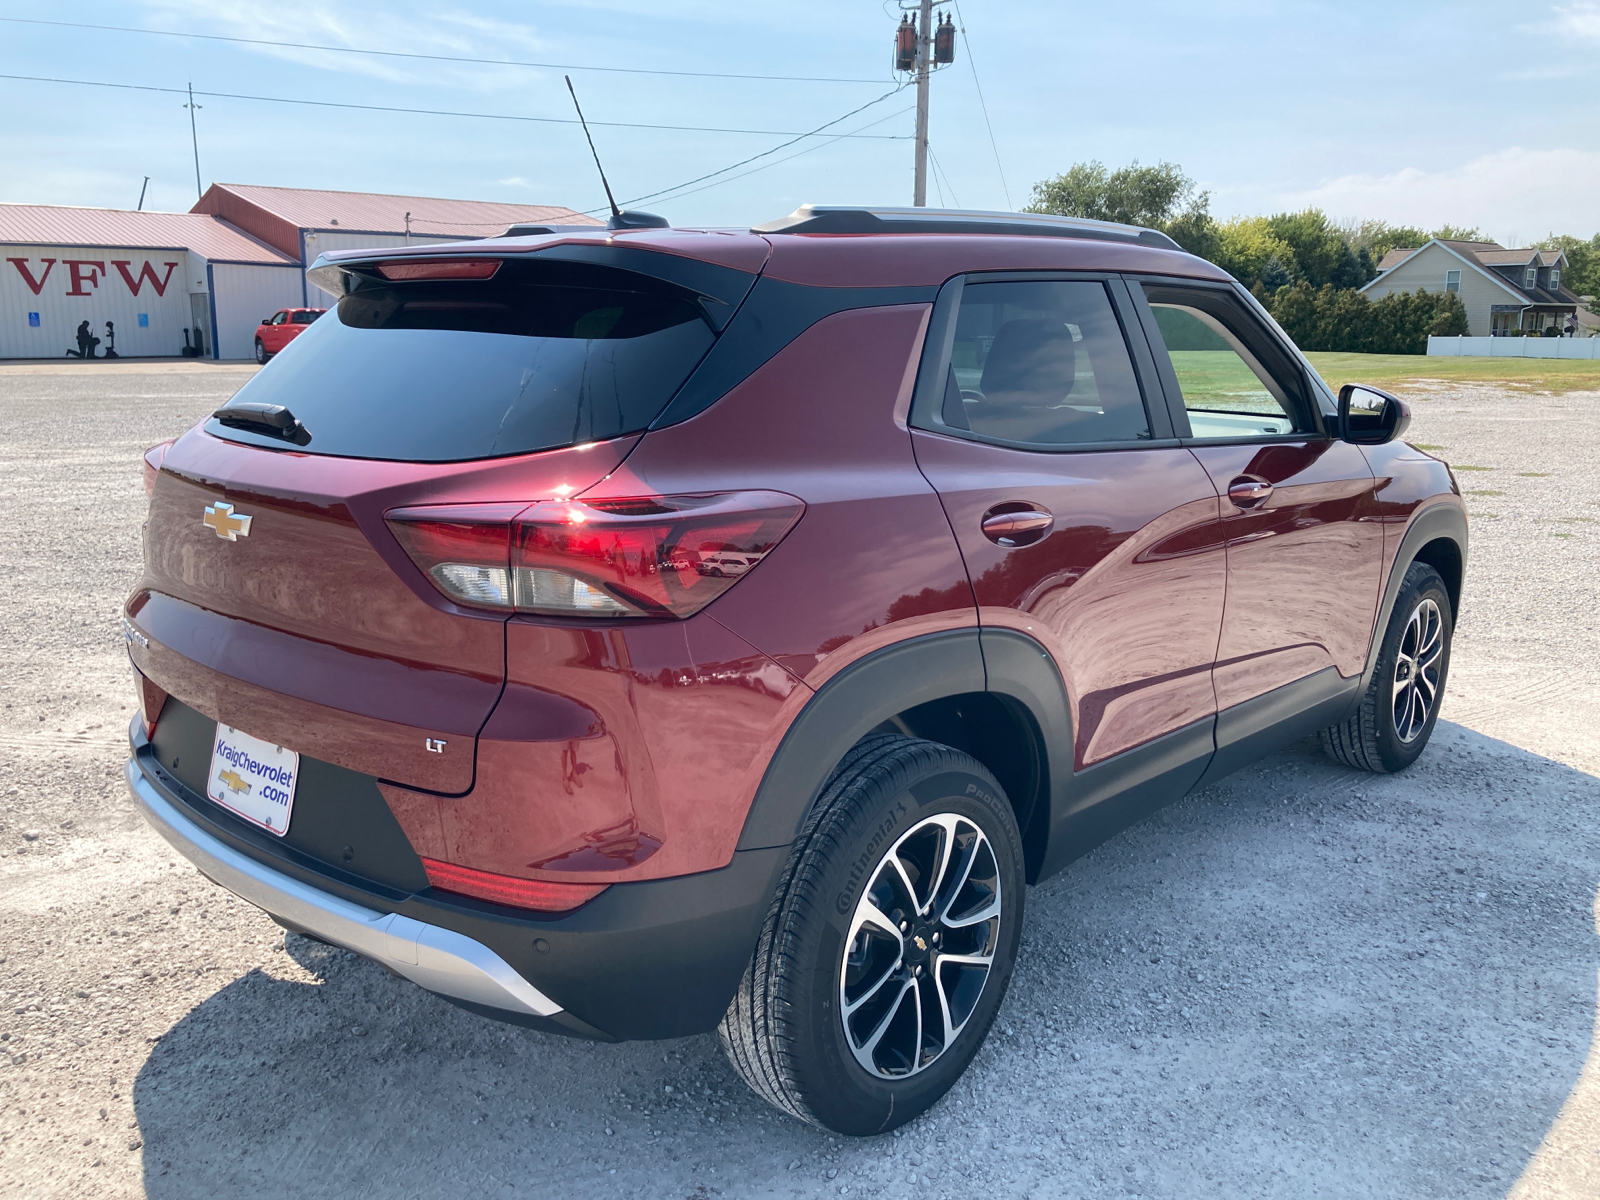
(83, 276)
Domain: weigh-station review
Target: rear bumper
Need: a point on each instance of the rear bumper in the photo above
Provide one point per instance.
(441, 960)
(656, 959)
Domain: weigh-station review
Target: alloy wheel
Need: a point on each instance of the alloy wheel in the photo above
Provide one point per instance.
(920, 947)
(1416, 670)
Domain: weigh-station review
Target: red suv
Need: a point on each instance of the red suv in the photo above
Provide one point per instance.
(281, 328)
(640, 632)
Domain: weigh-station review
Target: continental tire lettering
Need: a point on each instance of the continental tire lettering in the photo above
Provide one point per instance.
(868, 857)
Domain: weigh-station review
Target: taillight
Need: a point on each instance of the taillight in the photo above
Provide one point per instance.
(537, 894)
(652, 556)
(464, 549)
(152, 700)
(153, 458)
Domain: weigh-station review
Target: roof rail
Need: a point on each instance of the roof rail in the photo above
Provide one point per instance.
(827, 218)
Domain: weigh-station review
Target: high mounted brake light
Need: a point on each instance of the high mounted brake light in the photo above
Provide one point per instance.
(645, 556)
(403, 269)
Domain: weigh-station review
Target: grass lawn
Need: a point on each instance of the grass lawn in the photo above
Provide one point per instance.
(1396, 370)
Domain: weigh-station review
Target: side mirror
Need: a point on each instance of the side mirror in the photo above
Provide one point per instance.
(267, 320)
(1368, 417)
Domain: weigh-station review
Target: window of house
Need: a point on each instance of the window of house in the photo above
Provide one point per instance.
(1042, 363)
(1531, 279)
(1452, 281)
(1555, 278)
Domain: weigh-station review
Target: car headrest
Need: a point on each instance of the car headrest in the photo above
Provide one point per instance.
(1030, 354)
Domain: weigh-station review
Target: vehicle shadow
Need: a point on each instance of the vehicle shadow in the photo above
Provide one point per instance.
(1301, 980)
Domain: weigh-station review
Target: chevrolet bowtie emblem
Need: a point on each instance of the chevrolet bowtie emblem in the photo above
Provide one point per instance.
(225, 523)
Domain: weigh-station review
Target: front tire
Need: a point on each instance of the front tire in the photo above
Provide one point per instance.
(1401, 706)
(261, 353)
(889, 945)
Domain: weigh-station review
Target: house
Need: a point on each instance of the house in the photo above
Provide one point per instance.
(1503, 290)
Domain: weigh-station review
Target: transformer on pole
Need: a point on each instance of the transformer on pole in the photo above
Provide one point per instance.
(920, 47)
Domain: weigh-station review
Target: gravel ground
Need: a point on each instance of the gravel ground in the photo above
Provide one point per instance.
(1302, 981)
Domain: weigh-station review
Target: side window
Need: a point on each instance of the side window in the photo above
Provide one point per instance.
(1229, 389)
(1042, 363)
(279, 318)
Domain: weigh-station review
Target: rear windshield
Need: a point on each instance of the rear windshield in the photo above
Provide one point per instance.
(544, 355)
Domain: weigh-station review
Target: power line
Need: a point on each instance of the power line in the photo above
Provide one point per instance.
(493, 62)
(441, 112)
(994, 145)
(940, 173)
(775, 149)
(819, 146)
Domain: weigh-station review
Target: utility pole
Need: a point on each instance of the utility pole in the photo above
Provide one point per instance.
(919, 193)
(194, 138)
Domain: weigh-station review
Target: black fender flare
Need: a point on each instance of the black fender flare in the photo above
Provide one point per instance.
(890, 681)
(1443, 520)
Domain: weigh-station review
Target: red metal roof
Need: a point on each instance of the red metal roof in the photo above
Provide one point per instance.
(208, 236)
(366, 212)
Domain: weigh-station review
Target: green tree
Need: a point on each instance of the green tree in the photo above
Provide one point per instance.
(1458, 233)
(1131, 195)
(1583, 263)
(1249, 250)
(1377, 238)
(1319, 248)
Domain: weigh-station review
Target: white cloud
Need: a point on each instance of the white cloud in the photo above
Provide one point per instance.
(1515, 191)
(450, 32)
(1581, 20)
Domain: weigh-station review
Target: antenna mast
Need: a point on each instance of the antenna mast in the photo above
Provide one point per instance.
(616, 213)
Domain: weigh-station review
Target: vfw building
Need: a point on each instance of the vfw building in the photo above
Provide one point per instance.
(97, 282)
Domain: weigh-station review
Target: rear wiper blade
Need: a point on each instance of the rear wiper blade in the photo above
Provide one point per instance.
(272, 419)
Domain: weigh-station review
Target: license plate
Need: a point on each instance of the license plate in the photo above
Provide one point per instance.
(253, 779)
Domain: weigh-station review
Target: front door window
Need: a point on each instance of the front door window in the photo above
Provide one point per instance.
(1226, 391)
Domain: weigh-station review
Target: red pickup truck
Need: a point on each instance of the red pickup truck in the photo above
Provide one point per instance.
(278, 330)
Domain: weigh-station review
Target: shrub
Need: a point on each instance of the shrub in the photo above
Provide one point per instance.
(1340, 319)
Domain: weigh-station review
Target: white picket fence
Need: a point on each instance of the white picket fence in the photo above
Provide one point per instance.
(1515, 347)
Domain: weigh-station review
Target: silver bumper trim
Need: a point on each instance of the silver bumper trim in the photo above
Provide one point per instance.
(440, 960)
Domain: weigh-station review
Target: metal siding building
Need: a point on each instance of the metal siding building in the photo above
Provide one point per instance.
(208, 277)
(243, 295)
(45, 324)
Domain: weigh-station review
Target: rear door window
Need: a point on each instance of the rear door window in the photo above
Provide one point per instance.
(542, 355)
(1042, 363)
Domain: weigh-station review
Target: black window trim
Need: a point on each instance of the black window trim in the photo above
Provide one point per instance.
(1300, 386)
(927, 400)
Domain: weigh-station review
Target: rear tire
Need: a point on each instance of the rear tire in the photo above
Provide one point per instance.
(1401, 706)
(855, 1020)
(261, 353)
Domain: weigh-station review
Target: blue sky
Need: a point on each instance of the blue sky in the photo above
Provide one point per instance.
(1422, 112)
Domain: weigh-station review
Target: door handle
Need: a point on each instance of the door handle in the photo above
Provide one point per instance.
(1012, 525)
(1249, 491)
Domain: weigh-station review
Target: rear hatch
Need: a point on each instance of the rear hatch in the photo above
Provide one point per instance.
(276, 597)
